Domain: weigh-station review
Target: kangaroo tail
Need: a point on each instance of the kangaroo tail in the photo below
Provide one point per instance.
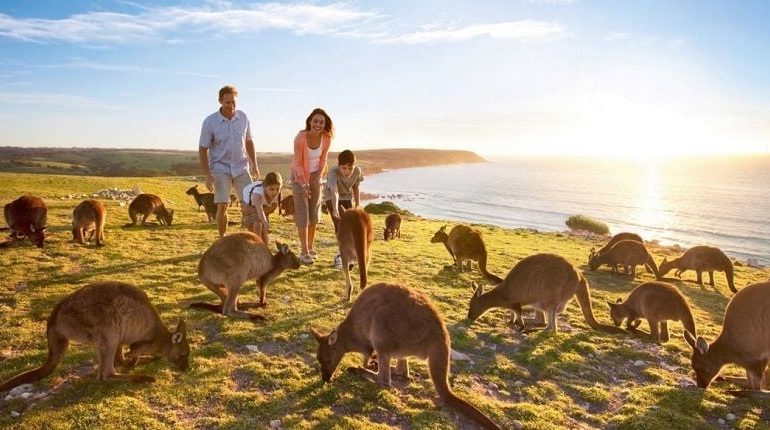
(730, 274)
(483, 267)
(584, 299)
(689, 323)
(650, 264)
(359, 236)
(438, 364)
(208, 306)
(57, 345)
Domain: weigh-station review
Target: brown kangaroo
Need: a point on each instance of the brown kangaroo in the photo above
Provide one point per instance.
(701, 259)
(27, 216)
(657, 302)
(628, 253)
(393, 321)
(547, 282)
(234, 259)
(89, 217)
(108, 315)
(287, 206)
(465, 243)
(355, 239)
(392, 226)
(615, 239)
(745, 339)
(146, 204)
(204, 199)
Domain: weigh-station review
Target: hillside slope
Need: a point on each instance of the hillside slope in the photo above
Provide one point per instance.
(574, 379)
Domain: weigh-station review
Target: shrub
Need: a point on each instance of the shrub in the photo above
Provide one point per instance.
(582, 222)
(386, 208)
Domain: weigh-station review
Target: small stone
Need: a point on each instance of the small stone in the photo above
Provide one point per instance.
(518, 425)
(275, 425)
(21, 286)
(731, 417)
(23, 388)
(493, 385)
(286, 299)
(518, 384)
(460, 356)
(639, 363)
(493, 347)
(15, 414)
(721, 421)
(26, 395)
(252, 348)
(304, 336)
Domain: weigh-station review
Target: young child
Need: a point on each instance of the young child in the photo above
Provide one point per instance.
(257, 197)
(342, 190)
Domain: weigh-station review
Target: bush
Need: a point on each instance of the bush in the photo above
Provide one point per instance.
(582, 222)
(386, 208)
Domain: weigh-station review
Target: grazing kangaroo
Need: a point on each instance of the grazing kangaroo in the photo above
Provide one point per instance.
(27, 216)
(657, 302)
(204, 199)
(744, 341)
(89, 218)
(547, 282)
(146, 204)
(393, 321)
(355, 238)
(108, 315)
(234, 259)
(465, 243)
(287, 206)
(701, 259)
(615, 239)
(392, 226)
(628, 253)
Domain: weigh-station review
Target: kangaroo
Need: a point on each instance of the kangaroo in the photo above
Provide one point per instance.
(628, 253)
(744, 340)
(615, 239)
(657, 302)
(234, 259)
(27, 216)
(701, 259)
(393, 321)
(355, 238)
(287, 206)
(392, 226)
(89, 217)
(547, 282)
(204, 199)
(465, 243)
(146, 204)
(109, 315)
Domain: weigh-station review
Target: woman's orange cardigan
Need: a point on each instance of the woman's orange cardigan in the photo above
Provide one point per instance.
(300, 165)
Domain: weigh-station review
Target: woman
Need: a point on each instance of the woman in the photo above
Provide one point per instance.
(311, 148)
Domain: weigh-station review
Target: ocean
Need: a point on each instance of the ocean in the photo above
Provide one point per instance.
(723, 202)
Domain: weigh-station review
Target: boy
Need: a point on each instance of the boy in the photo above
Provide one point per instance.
(342, 186)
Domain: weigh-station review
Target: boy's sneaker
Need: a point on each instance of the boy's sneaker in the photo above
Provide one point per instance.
(338, 262)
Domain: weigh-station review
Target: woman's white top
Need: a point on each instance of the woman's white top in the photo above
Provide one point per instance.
(314, 157)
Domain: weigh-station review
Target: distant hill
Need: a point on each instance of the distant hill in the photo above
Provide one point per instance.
(164, 162)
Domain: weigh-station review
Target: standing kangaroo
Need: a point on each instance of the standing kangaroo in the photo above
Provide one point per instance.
(701, 259)
(204, 199)
(27, 216)
(657, 302)
(465, 243)
(108, 315)
(745, 339)
(547, 282)
(393, 321)
(615, 239)
(146, 204)
(89, 217)
(628, 253)
(392, 226)
(355, 239)
(231, 261)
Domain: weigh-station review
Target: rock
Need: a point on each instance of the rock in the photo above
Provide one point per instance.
(668, 367)
(731, 417)
(252, 348)
(518, 425)
(21, 286)
(21, 389)
(753, 262)
(459, 356)
(275, 425)
(286, 299)
(15, 414)
(493, 347)
(518, 384)
(721, 421)
(304, 336)
(639, 363)
(26, 395)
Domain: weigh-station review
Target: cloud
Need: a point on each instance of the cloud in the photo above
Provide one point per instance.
(50, 99)
(176, 24)
(644, 39)
(516, 30)
(123, 68)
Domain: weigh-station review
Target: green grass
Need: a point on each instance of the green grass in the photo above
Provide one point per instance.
(574, 379)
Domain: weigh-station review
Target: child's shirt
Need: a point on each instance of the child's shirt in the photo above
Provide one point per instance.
(344, 185)
(253, 189)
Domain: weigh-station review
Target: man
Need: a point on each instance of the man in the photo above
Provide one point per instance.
(226, 153)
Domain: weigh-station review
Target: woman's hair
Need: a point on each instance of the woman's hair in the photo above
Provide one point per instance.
(328, 127)
(273, 178)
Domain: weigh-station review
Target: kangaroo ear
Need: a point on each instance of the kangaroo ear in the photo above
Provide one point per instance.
(333, 337)
(702, 345)
(180, 334)
(442, 229)
(478, 289)
(284, 249)
(689, 338)
(619, 300)
(665, 260)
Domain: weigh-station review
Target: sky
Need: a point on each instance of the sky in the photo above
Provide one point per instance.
(629, 79)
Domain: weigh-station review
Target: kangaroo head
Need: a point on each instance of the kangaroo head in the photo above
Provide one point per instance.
(169, 216)
(705, 368)
(386, 233)
(594, 262)
(617, 312)
(192, 191)
(440, 236)
(665, 266)
(178, 352)
(287, 258)
(37, 235)
(591, 254)
(330, 352)
(475, 308)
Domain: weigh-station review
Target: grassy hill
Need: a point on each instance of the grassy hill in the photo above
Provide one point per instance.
(146, 162)
(576, 378)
